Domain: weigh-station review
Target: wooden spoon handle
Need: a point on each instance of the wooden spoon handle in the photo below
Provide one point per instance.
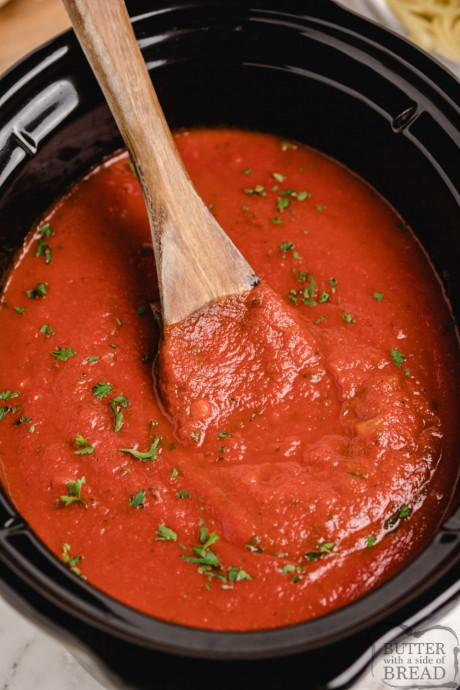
(196, 262)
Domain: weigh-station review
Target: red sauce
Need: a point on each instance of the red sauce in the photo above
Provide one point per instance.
(305, 446)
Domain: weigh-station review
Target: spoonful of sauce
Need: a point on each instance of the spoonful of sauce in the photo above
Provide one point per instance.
(196, 262)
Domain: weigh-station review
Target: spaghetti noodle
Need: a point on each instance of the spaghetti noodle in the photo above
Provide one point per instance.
(431, 24)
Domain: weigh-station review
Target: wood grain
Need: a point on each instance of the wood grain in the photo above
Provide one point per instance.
(196, 261)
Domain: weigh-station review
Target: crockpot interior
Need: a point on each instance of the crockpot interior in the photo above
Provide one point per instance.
(305, 70)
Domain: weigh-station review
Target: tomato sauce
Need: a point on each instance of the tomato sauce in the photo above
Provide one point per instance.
(295, 446)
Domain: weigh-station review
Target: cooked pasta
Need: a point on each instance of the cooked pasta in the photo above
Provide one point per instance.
(431, 24)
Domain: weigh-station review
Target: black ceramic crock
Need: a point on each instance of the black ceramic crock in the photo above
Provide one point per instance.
(310, 71)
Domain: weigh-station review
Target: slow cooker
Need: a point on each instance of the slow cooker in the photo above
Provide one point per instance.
(308, 70)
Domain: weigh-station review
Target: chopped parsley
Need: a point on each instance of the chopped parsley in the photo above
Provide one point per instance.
(73, 561)
(397, 357)
(116, 405)
(370, 540)
(209, 564)
(96, 358)
(286, 247)
(43, 249)
(141, 310)
(258, 190)
(132, 167)
(253, 545)
(348, 317)
(165, 534)
(400, 514)
(47, 330)
(40, 291)
(100, 390)
(137, 501)
(151, 454)
(324, 549)
(378, 296)
(63, 353)
(6, 395)
(21, 420)
(183, 494)
(4, 409)
(282, 203)
(74, 491)
(84, 447)
(20, 310)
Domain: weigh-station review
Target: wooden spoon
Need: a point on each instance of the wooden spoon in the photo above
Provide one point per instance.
(196, 262)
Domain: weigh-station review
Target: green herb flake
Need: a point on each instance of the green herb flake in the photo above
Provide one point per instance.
(224, 434)
(258, 190)
(347, 317)
(276, 220)
(137, 501)
(404, 511)
(84, 447)
(74, 491)
(132, 168)
(237, 574)
(183, 494)
(278, 177)
(100, 390)
(20, 310)
(47, 330)
(21, 420)
(63, 353)
(282, 203)
(39, 291)
(378, 296)
(73, 561)
(370, 541)
(5, 409)
(286, 247)
(254, 545)
(174, 473)
(90, 360)
(151, 454)
(6, 395)
(397, 357)
(247, 171)
(165, 534)
(116, 405)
